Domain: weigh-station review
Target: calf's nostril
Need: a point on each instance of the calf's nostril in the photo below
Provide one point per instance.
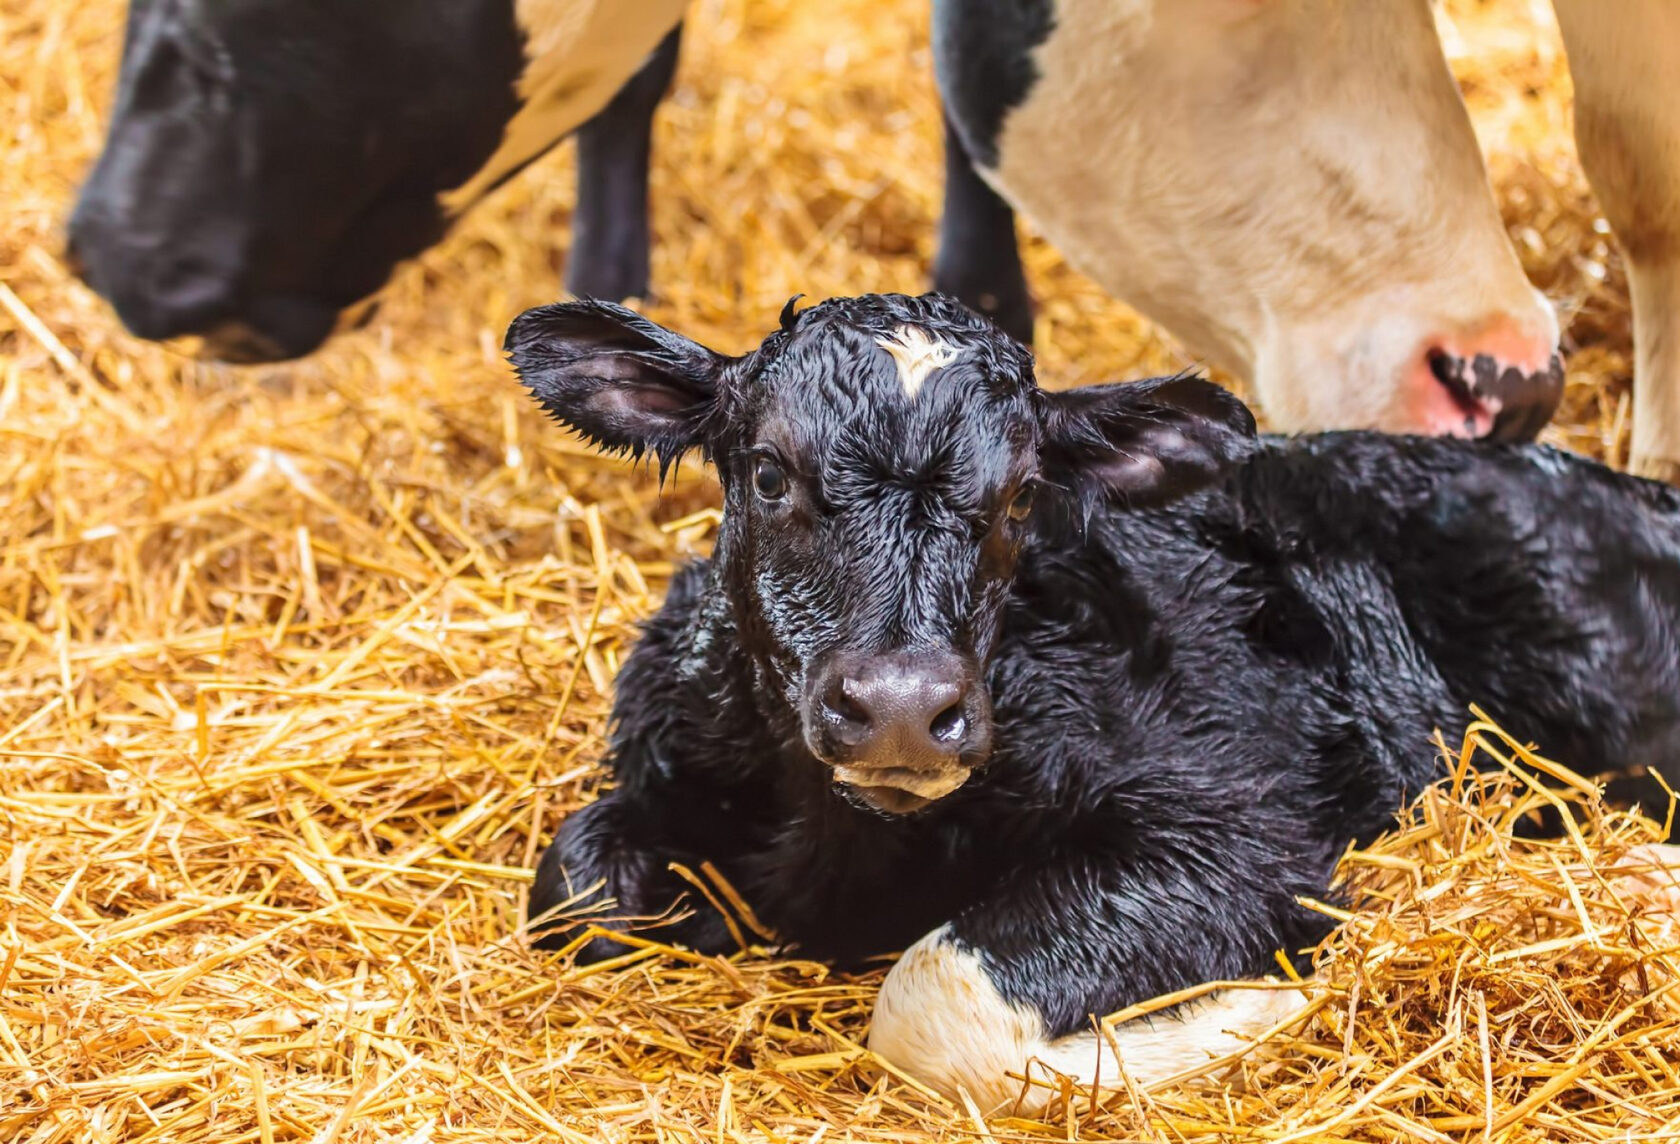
(948, 726)
(846, 708)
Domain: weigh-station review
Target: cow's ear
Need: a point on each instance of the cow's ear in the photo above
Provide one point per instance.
(1143, 443)
(625, 383)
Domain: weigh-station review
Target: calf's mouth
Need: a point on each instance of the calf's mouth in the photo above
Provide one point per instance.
(898, 789)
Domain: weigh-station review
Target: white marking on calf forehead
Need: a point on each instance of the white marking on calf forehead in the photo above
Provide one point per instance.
(941, 1020)
(578, 53)
(917, 353)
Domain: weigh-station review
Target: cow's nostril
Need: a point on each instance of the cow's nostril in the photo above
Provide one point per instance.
(948, 726)
(1454, 373)
(1470, 391)
(1446, 368)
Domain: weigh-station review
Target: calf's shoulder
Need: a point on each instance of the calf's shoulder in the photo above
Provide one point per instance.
(685, 729)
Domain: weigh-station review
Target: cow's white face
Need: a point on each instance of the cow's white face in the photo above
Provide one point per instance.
(1291, 187)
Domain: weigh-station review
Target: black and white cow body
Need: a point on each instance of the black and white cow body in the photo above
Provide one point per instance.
(1070, 693)
(269, 162)
(1293, 189)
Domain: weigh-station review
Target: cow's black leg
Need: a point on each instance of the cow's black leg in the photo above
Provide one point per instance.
(1021, 974)
(979, 261)
(609, 864)
(609, 256)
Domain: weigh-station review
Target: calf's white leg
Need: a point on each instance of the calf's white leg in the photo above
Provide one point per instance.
(1625, 60)
(940, 1018)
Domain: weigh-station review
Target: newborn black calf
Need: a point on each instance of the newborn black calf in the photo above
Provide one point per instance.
(1071, 693)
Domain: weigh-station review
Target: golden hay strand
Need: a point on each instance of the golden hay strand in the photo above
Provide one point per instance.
(300, 665)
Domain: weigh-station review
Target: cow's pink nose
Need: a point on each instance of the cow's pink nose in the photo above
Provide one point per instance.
(1500, 383)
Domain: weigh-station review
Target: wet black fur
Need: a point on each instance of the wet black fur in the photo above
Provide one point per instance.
(1213, 660)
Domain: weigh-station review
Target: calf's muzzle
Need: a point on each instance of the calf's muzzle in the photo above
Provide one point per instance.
(899, 729)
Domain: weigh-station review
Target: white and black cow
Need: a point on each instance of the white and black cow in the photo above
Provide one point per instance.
(1293, 188)
(269, 162)
(1070, 693)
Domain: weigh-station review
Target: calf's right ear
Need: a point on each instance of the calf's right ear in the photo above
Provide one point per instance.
(1143, 443)
(625, 383)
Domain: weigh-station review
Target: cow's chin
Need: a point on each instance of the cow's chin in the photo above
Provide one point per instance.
(273, 328)
(897, 790)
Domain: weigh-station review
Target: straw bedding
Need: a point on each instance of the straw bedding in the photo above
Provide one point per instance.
(300, 665)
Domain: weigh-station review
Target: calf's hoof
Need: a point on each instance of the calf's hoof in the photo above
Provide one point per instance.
(1648, 878)
(590, 874)
(595, 873)
(941, 1019)
(560, 892)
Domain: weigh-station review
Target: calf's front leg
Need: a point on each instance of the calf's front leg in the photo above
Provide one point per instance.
(610, 863)
(1019, 978)
(943, 1019)
(991, 993)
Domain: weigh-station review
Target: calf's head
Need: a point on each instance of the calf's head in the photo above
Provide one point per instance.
(884, 461)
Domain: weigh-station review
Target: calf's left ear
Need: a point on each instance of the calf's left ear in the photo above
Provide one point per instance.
(624, 382)
(1143, 443)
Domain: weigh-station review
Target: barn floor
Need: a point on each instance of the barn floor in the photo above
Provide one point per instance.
(301, 665)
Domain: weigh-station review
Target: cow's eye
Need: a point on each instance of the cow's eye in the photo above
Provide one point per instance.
(769, 480)
(1020, 505)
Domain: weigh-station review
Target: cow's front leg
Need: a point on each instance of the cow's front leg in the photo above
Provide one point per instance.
(1020, 978)
(1622, 58)
(609, 256)
(979, 258)
(610, 864)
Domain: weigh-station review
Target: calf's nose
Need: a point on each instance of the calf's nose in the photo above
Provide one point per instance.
(909, 709)
(1501, 382)
(916, 708)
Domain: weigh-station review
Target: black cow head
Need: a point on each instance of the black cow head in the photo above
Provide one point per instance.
(268, 162)
(882, 459)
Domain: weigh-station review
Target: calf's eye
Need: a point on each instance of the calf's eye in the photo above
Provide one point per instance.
(1020, 505)
(769, 480)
